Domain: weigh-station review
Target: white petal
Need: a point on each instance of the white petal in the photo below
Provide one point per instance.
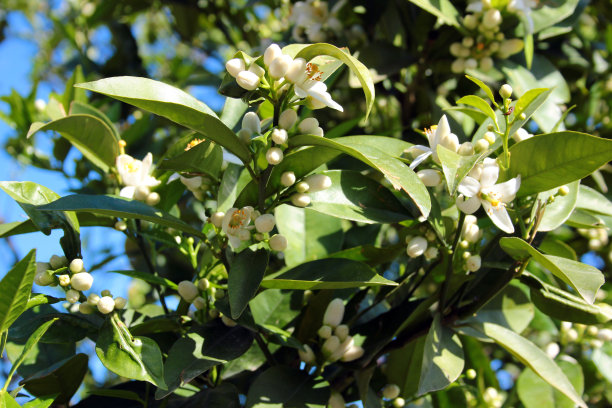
(469, 187)
(443, 129)
(490, 173)
(420, 159)
(507, 189)
(468, 206)
(127, 192)
(499, 216)
(299, 92)
(234, 241)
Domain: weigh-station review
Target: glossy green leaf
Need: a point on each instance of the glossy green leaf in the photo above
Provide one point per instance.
(6, 401)
(361, 71)
(602, 359)
(282, 386)
(235, 179)
(15, 288)
(534, 358)
(552, 12)
(353, 196)
(455, 166)
(591, 200)
(584, 279)
(206, 157)
(557, 212)
(552, 246)
(331, 273)
(404, 367)
(312, 235)
(148, 277)
(63, 377)
(584, 219)
(87, 133)
(443, 9)
(564, 306)
(173, 104)
(442, 360)
(370, 254)
(479, 103)
(528, 104)
(41, 402)
(246, 273)
(233, 111)
(554, 159)
(77, 108)
(536, 393)
(484, 87)
(118, 207)
(391, 146)
(511, 308)
(137, 358)
(113, 393)
(37, 299)
(396, 172)
(272, 307)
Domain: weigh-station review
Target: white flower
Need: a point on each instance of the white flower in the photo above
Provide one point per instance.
(493, 197)
(436, 135)
(234, 222)
(307, 80)
(135, 173)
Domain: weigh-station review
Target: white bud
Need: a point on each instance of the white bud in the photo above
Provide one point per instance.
(188, 291)
(470, 21)
(336, 400)
(429, 177)
(481, 145)
(40, 105)
(466, 149)
(325, 332)
(471, 63)
(492, 18)
(64, 280)
(141, 193)
(120, 302)
(279, 66)
(106, 292)
(456, 49)
(106, 304)
(244, 235)
(93, 299)
(245, 136)
(257, 70)
(431, 253)
(287, 119)
(86, 308)
(510, 47)
(473, 263)
(251, 122)
(342, 332)
(302, 187)
(296, 70)
(272, 52)
(331, 344)
(120, 225)
(57, 262)
(458, 66)
(318, 182)
(265, 223)
(199, 303)
(279, 136)
(353, 353)
(572, 335)
(287, 178)
(471, 374)
(343, 348)
(247, 80)
(235, 66)
(300, 200)
(390, 391)
(217, 219)
(416, 247)
(274, 155)
(521, 135)
(486, 64)
(153, 199)
(227, 321)
(203, 284)
(76, 265)
(471, 233)
(605, 334)
(72, 296)
(81, 281)
(399, 403)
(307, 355)
(308, 125)
(334, 313)
(552, 350)
(489, 137)
(596, 343)
(505, 91)
(278, 242)
(467, 42)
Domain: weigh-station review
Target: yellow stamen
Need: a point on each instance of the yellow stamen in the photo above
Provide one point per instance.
(122, 145)
(194, 143)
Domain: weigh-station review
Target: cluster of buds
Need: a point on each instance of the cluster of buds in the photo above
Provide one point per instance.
(313, 21)
(236, 224)
(311, 184)
(589, 336)
(485, 42)
(493, 398)
(419, 246)
(105, 303)
(471, 236)
(135, 175)
(598, 237)
(337, 344)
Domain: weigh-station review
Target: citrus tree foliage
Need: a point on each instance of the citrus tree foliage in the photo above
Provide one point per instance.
(323, 248)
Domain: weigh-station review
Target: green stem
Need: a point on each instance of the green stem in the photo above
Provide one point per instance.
(505, 137)
(449, 269)
(264, 348)
(143, 249)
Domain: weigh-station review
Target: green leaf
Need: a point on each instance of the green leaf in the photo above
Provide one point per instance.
(63, 377)
(511, 308)
(584, 279)
(355, 197)
(87, 133)
(234, 180)
(528, 50)
(399, 175)
(113, 393)
(6, 401)
(233, 111)
(41, 402)
(272, 307)
(15, 288)
(554, 159)
(528, 104)
(442, 360)
(173, 104)
(484, 87)
(536, 393)
(391, 146)
(456, 166)
(118, 207)
(564, 306)
(313, 235)
(404, 367)
(443, 9)
(602, 359)
(206, 157)
(331, 273)
(481, 104)
(137, 358)
(592, 200)
(246, 273)
(282, 386)
(149, 277)
(557, 212)
(361, 71)
(370, 254)
(552, 12)
(77, 108)
(534, 358)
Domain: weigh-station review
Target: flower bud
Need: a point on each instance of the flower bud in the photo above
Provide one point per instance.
(76, 265)
(300, 200)
(486, 64)
(431, 253)
(44, 278)
(458, 66)
(278, 242)
(120, 302)
(217, 219)
(492, 18)
(399, 403)
(334, 313)
(279, 66)
(521, 135)
(257, 70)
(473, 263)
(199, 303)
(510, 47)
(106, 304)
(466, 149)
(489, 137)
(86, 308)
(353, 353)
(336, 400)
(467, 42)
(308, 125)
(343, 348)
(188, 291)
(141, 193)
(302, 187)
(318, 182)
(245, 136)
(470, 374)
(244, 235)
(342, 332)
(64, 280)
(228, 322)
(247, 80)
(307, 355)
(251, 122)
(287, 178)
(481, 145)
(203, 284)
(456, 49)
(471, 233)
(153, 199)
(471, 63)
(390, 391)
(81, 281)
(605, 335)
(192, 183)
(552, 350)
(429, 177)
(274, 155)
(120, 225)
(325, 332)
(331, 344)
(287, 119)
(505, 91)
(57, 262)
(572, 335)
(466, 254)
(272, 52)
(235, 66)
(265, 223)
(72, 296)
(318, 131)
(93, 299)
(470, 21)
(296, 70)
(279, 136)
(416, 247)
(563, 191)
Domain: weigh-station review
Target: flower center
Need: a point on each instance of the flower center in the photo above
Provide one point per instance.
(193, 143)
(493, 197)
(133, 166)
(238, 218)
(312, 72)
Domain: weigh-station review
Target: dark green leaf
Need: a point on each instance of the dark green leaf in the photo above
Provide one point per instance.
(63, 377)
(41, 402)
(246, 273)
(77, 107)
(206, 157)
(442, 9)
(234, 180)
(15, 288)
(511, 309)
(32, 341)
(149, 277)
(272, 307)
(404, 367)
(456, 166)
